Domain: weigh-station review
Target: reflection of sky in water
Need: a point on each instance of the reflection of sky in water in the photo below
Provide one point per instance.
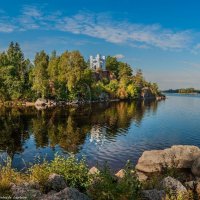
(112, 133)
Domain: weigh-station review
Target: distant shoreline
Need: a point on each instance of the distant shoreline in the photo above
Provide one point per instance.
(192, 93)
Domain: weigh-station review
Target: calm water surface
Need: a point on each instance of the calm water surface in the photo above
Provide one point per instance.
(113, 132)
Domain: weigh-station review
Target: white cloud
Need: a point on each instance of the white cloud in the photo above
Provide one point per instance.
(119, 56)
(103, 27)
(137, 35)
(31, 11)
(6, 28)
(30, 18)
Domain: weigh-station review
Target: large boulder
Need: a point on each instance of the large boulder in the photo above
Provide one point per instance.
(179, 156)
(56, 182)
(153, 194)
(66, 194)
(174, 187)
(196, 167)
(41, 102)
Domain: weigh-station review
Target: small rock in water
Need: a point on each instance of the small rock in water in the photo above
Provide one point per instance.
(41, 102)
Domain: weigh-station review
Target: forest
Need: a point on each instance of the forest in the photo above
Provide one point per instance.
(183, 91)
(66, 77)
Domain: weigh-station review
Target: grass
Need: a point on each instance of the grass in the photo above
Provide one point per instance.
(9, 175)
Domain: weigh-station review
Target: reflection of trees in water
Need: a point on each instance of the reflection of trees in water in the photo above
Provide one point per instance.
(13, 130)
(68, 127)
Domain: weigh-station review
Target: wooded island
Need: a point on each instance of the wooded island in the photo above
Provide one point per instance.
(68, 77)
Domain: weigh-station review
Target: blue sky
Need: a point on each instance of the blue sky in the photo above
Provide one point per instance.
(162, 37)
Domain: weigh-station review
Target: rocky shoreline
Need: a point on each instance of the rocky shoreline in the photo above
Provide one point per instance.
(183, 160)
(169, 174)
(46, 103)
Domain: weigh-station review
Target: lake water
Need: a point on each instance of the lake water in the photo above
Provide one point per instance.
(112, 132)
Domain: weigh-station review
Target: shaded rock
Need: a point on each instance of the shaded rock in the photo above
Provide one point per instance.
(41, 107)
(93, 170)
(56, 182)
(191, 185)
(120, 173)
(25, 191)
(141, 176)
(174, 187)
(41, 102)
(66, 194)
(51, 103)
(146, 93)
(196, 167)
(153, 194)
(179, 156)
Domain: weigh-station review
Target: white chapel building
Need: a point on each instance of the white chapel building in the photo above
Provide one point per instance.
(98, 62)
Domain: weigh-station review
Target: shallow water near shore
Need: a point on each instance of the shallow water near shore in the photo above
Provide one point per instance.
(103, 132)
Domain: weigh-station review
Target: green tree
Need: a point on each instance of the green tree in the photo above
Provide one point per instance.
(132, 91)
(139, 79)
(3, 59)
(125, 70)
(53, 75)
(40, 75)
(15, 69)
(71, 68)
(112, 65)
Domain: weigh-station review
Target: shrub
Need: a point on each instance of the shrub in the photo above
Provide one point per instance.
(39, 173)
(106, 186)
(74, 171)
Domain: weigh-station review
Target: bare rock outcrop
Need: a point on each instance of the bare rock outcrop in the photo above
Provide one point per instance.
(178, 156)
